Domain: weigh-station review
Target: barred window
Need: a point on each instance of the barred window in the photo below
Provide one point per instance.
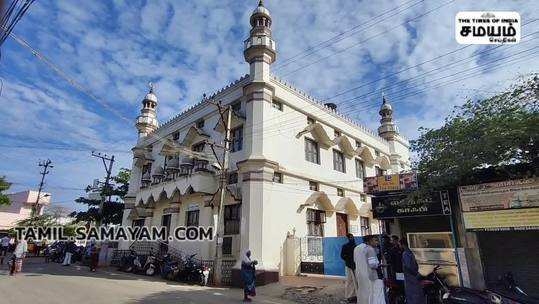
(175, 135)
(277, 177)
(237, 139)
(312, 152)
(192, 218)
(340, 192)
(232, 219)
(313, 186)
(360, 169)
(315, 222)
(338, 161)
(379, 171)
(358, 144)
(227, 245)
(337, 133)
(232, 178)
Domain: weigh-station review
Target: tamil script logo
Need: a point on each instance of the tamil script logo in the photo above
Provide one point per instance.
(487, 27)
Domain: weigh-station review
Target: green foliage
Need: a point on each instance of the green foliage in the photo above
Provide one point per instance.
(112, 210)
(495, 132)
(4, 185)
(38, 221)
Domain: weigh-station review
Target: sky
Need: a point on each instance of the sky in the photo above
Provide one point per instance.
(344, 51)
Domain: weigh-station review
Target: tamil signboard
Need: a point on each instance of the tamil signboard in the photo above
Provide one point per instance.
(387, 183)
(507, 205)
(407, 205)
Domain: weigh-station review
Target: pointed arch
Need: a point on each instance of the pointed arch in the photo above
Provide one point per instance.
(383, 162)
(347, 205)
(319, 134)
(346, 146)
(366, 155)
(321, 200)
(193, 135)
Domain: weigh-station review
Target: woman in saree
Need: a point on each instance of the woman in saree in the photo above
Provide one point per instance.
(248, 276)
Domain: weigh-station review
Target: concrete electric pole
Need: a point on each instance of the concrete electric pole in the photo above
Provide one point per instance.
(108, 169)
(46, 165)
(219, 224)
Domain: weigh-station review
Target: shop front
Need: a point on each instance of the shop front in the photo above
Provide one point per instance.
(504, 218)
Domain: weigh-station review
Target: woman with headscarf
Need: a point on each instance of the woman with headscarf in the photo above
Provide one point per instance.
(248, 276)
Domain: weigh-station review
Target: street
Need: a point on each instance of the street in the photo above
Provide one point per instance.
(41, 283)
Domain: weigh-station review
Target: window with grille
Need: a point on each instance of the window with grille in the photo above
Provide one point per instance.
(379, 171)
(227, 245)
(232, 219)
(313, 186)
(338, 161)
(340, 192)
(358, 144)
(310, 120)
(277, 177)
(236, 106)
(199, 147)
(237, 139)
(312, 152)
(200, 123)
(315, 222)
(192, 218)
(232, 178)
(277, 105)
(138, 223)
(360, 169)
(365, 225)
(176, 136)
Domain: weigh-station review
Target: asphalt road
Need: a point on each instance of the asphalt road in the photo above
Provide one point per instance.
(41, 283)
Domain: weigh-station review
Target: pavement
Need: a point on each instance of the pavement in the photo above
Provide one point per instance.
(48, 283)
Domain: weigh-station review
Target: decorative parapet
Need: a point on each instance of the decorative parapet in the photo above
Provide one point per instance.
(203, 102)
(319, 104)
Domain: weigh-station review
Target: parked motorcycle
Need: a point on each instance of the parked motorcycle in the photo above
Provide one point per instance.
(127, 262)
(169, 268)
(192, 272)
(150, 267)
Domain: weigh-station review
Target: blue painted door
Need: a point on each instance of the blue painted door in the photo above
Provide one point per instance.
(333, 264)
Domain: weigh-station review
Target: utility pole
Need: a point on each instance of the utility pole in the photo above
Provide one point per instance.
(108, 169)
(219, 224)
(46, 165)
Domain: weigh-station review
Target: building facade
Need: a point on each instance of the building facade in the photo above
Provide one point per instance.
(295, 165)
(21, 207)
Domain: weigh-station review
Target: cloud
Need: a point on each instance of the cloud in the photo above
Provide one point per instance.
(193, 47)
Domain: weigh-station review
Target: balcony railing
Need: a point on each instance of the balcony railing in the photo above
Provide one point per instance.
(176, 168)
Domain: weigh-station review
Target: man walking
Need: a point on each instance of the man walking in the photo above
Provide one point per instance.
(347, 254)
(412, 286)
(370, 288)
(69, 249)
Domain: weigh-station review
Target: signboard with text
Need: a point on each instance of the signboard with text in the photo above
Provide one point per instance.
(406, 205)
(507, 205)
(393, 182)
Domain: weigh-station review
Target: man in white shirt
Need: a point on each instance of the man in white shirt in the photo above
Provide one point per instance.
(370, 288)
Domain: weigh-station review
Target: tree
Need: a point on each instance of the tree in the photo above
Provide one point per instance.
(112, 209)
(489, 134)
(4, 185)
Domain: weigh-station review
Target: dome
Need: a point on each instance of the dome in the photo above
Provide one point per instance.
(386, 106)
(261, 10)
(151, 96)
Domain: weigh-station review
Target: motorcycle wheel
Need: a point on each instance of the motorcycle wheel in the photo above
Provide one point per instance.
(150, 271)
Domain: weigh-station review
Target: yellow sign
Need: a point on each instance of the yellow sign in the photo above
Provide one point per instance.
(513, 219)
(388, 182)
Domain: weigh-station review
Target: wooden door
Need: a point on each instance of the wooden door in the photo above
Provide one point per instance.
(342, 224)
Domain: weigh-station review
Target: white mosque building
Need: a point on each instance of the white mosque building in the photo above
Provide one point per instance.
(295, 164)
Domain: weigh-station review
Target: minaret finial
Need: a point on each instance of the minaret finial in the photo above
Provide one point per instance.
(260, 3)
(151, 85)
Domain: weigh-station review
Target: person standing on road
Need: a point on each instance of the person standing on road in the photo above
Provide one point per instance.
(94, 257)
(412, 286)
(4, 243)
(347, 254)
(21, 248)
(69, 250)
(248, 276)
(370, 288)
